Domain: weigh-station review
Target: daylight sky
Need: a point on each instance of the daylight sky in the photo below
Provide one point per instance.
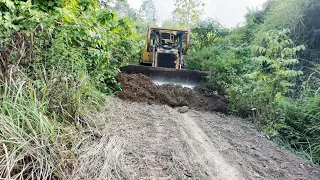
(228, 12)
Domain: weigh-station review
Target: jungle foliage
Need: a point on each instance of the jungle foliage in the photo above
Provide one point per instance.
(58, 60)
(270, 70)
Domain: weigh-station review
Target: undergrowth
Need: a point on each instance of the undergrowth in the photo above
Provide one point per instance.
(267, 74)
(58, 61)
(32, 143)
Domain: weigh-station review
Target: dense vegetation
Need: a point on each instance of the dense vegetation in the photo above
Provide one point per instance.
(59, 59)
(270, 70)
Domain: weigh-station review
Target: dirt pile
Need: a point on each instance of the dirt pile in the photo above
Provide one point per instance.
(139, 88)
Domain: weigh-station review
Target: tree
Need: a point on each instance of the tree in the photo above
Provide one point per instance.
(149, 10)
(301, 17)
(123, 9)
(206, 32)
(171, 23)
(187, 11)
(107, 3)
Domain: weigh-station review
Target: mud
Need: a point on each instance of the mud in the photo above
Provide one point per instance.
(139, 88)
(141, 141)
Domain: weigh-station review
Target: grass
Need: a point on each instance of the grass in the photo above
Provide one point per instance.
(41, 122)
(33, 143)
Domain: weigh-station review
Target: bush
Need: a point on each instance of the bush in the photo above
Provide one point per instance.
(287, 113)
(223, 59)
(274, 75)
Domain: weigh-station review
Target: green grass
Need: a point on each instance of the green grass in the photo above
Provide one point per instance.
(33, 144)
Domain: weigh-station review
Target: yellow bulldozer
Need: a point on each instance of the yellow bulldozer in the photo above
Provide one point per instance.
(164, 58)
(166, 47)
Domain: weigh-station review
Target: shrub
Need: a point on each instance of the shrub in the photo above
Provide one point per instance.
(274, 75)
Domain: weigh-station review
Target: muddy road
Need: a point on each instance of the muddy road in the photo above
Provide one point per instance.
(143, 141)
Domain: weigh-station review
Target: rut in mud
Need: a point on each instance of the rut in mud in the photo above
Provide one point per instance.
(142, 141)
(139, 88)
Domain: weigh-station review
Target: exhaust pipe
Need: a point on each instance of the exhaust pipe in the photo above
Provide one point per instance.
(153, 55)
(180, 52)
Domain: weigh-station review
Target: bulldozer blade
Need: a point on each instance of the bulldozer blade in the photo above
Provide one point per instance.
(160, 76)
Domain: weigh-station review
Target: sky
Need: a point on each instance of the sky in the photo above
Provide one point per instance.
(229, 12)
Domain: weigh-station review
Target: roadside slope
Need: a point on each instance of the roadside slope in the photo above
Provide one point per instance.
(142, 141)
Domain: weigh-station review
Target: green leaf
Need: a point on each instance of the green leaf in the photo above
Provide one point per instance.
(51, 3)
(282, 54)
(8, 3)
(298, 48)
(15, 27)
(7, 16)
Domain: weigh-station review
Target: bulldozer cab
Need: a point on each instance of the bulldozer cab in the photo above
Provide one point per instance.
(166, 47)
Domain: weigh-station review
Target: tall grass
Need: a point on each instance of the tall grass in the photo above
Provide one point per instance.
(309, 105)
(29, 138)
(37, 124)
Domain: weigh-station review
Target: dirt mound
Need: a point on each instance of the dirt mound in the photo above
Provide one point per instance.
(139, 88)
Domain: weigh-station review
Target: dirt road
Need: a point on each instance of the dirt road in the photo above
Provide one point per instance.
(142, 141)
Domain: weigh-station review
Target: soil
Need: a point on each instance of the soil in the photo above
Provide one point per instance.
(143, 141)
(139, 88)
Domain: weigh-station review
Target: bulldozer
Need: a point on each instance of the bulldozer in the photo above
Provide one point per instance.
(164, 58)
(166, 48)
